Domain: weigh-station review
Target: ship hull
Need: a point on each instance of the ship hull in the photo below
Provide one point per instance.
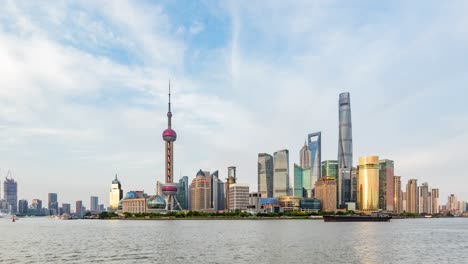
(355, 218)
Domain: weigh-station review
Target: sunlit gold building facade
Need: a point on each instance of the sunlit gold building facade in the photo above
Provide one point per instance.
(368, 183)
(115, 195)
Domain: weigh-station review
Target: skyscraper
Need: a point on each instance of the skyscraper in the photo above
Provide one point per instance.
(412, 197)
(215, 202)
(52, 204)
(304, 154)
(23, 207)
(265, 175)
(10, 193)
(325, 191)
(368, 183)
(231, 179)
(425, 201)
(397, 194)
(315, 147)
(66, 208)
(183, 193)
(94, 204)
(386, 173)
(36, 204)
(281, 173)
(435, 200)
(169, 189)
(302, 182)
(115, 194)
(239, 196)
(200, 192)
(330, 169)
(79, 209)
(345, 149)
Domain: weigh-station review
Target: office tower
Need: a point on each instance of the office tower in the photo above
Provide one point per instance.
(215, 191)
(231, 179)
(102, 208)
(425, 206)
(66, 208)
(169, 189)
(302, 182)
(435, 200)
(330, 169)
(368, 183)
(325, 191)
(53, 204)
(452, 204)
(239, 196)
(305, 156)
(345, 149)
(79, 209)
(94, 204)
(265, 175)
(315, 147)
(397, 194)
(36, 204)
(412, 197)
(200, 192)
(23, 207)
(281, 173)
(115, 194)
(183, 192)
(353, 184)
(10, 193)
(386, 173)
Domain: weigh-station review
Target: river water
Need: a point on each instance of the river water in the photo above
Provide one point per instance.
(43, 240)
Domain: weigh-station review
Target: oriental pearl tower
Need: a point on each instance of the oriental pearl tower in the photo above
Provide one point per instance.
(169, 189)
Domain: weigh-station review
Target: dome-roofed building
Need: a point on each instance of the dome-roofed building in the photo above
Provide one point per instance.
(156, 202)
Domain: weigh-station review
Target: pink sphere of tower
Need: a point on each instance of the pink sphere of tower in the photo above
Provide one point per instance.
(169, 189)
(169, 135)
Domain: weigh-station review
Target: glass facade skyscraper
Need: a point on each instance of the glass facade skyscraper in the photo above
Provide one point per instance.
(368, 183)
(52, 204)
(265, 175)
(182, 193)
(302, 182)
(314, 141)
(345, 149)
(386, 183)
(281, 173)
(330, 169)
(10, 193)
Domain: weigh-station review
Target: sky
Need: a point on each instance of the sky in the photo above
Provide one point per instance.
(83, 89)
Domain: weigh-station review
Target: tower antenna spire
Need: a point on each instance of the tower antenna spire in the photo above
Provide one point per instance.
(169, 95)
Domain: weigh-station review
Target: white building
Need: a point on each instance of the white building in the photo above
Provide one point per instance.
(238, 196)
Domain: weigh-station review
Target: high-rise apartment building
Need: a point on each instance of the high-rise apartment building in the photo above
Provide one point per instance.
(94, 204)
(115, 194)
(452, 204)
(200, 192)
(281, 173)
(79, 209)
(425, 200)
(435, 200)
(397, 194)
(386, 189)
(23, 207)
(368, 183)
(10, 193)
(345, 149)
(325, 191)
(305, 157)
(52, 204)
(315, 147)
(239, 196)
(265, 175)
(412, 196)
(302, 182)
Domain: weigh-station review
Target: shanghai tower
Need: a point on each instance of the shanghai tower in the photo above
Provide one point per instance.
(345, 150)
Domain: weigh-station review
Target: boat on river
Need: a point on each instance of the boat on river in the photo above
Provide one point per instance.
(374, 217)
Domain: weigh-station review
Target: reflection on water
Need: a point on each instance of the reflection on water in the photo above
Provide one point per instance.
(42, 240)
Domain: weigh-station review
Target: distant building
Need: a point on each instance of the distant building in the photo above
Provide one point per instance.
(182, 194)
(305, 159)
(23, 207)
(66, 208)
(386, 182)
(302, 182)
(265, 175)
(412, 196)
(290, 203)
(425, 200)
(53, 204)
(345, 150)
(314, 142)
(231, 179)
(138, 202)
(281, 173)
(404, 202)
(115, 195)
(254, 201)
(217, 192)
(452, 204)
(368, 183)
(325, 192)
(239, 196)
(10, 193)
(79, 209)
(330, 169)
(311, 204)
(435, 200)
(200, 192)
(397, 206)
(36, 204)
(94, 204)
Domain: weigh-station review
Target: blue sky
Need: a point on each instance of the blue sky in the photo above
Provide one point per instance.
(84, 88)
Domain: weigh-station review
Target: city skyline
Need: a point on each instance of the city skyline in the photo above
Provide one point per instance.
(79, 107)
